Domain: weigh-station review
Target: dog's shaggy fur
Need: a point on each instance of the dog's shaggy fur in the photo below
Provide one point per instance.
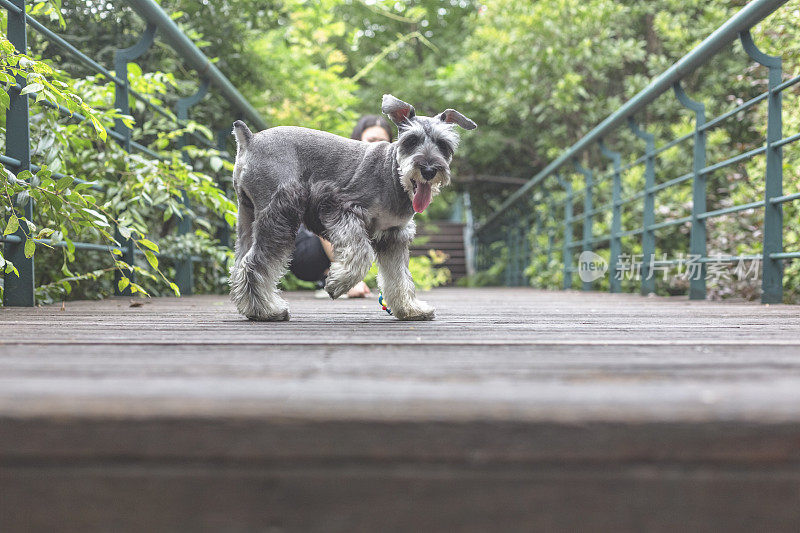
(359, 196)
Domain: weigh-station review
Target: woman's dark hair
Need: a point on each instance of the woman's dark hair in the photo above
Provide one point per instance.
(368, 121)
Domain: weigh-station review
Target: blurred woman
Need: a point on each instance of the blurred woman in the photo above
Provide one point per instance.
(312, 254)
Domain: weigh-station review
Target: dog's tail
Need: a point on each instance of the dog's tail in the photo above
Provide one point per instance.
(242, 133)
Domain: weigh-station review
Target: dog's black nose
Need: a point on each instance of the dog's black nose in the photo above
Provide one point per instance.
(428, 172)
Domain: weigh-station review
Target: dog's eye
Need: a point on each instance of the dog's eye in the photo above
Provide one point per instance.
(444, 148)
(411, 141)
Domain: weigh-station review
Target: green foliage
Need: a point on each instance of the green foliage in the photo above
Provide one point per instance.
(298, 62)
(536, 76)
(65, 208)
(530, 71)
(290, 282)
(425, 269)
(105, 188)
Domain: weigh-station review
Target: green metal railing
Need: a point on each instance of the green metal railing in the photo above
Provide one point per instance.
(19, 290)
(519, 218)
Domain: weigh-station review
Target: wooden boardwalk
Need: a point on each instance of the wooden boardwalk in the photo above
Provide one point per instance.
(515, 410)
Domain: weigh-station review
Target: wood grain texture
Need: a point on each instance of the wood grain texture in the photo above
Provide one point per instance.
(447, 237)
(515, 410)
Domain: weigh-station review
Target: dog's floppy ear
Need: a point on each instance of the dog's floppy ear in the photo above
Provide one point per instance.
(451, 116)
(397, 110)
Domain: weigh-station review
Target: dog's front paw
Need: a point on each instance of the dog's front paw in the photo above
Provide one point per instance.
(278, 316)
(418, 310)
(274, 310)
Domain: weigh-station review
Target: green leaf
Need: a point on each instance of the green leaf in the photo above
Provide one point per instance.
(230, 218)
(149, 244)
(30, 248)
(124, 231)
(138, 288)
(123, 283)
(174, 288)
(216, 163)
(44, 173)
(12, 225)
(99, 218)
(98, 127)
(151, 258)
(54, 200)
(134, 70)
(32, 88)
(64, 182)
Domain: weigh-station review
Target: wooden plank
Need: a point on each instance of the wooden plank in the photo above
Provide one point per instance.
(511, 410)
(421, 497)
(447, 237)
(560, 353)
(444, 237)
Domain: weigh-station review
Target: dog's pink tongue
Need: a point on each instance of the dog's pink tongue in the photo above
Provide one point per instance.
(422, 198)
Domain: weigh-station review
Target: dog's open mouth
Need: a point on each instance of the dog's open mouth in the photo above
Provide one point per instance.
(422, 195)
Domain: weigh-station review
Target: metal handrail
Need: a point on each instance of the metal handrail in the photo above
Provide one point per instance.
(20, 291)
(152, 13)
(750, 15)
(501, 221)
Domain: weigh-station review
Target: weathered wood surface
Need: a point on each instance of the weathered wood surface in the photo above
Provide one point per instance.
(447, 237)
(515, 410)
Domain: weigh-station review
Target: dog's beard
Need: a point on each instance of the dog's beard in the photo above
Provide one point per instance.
(420, 191)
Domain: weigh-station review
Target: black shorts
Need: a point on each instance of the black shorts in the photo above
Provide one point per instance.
(309, 260)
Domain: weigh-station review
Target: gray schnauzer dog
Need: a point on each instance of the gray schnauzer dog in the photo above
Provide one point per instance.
(360, 196)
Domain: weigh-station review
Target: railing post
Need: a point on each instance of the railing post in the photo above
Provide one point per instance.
(511, 265)
(648, 212)
(772, 273)
(697, 239)
(537, 233)
(19, 290)
(615, 283)
(526, 245)
(567, 246)
(536, 229)
(588, 220)
(184, 268)
(518, 266)
(469, 236)
(121, 102)
(551, 208)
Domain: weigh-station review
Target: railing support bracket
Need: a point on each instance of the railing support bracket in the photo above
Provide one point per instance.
(772, 268)
(697, 239)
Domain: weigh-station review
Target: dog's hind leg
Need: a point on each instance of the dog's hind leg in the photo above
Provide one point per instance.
(254, 281)
(244, 228)
(244, 241)
(352, 251)
(394, 278)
